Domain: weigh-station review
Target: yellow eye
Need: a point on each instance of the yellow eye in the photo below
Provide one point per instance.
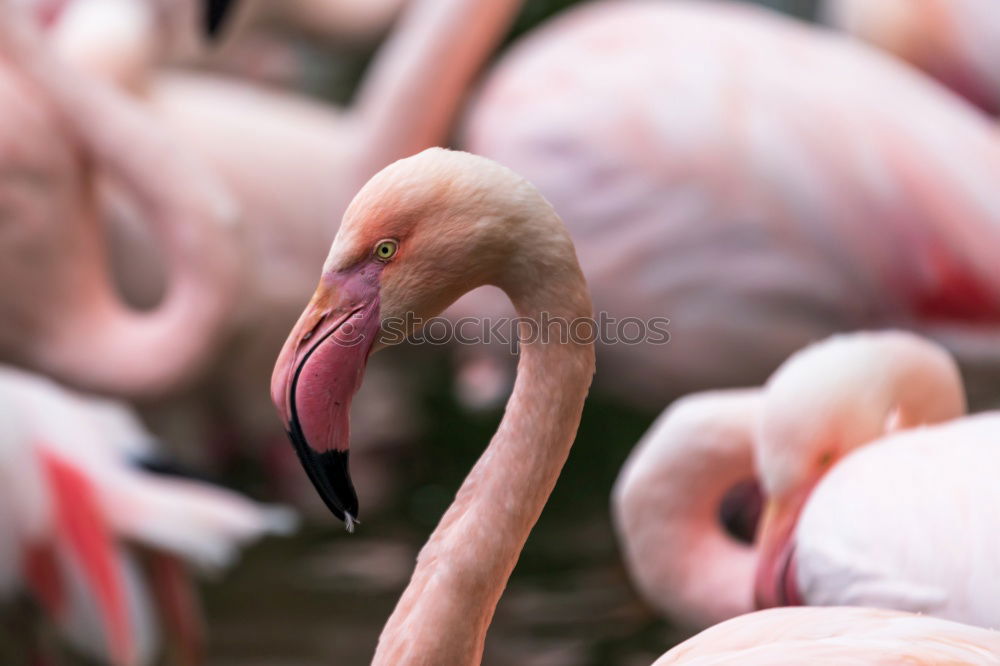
(385, 250)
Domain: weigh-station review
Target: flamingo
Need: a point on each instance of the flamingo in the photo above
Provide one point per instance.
(956, 41)
(837, 636)
(851, 388)
(838, 436)
(419, 234)
(760, 182)
(63, 315)
(80, 516)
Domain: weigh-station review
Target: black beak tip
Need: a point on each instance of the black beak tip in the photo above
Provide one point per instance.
(216, 12)
(330, 473)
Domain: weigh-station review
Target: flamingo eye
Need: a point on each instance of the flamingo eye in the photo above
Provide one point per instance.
(825, 459)
(385, 249)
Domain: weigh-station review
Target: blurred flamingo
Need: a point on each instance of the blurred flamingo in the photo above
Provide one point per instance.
(81, 518)
(852, 545)
(62, 312)
(760, 182)
(843, 527)
(837, 636)
(418, 235)
(955, 41)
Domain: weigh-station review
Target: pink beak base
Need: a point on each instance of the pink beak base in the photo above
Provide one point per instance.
(318, 372)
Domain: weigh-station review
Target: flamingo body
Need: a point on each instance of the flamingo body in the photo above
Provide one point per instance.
(836, 637)
(759, 182)
(75, 506)
(910, 523)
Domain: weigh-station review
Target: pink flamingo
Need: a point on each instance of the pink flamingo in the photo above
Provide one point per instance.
(834, 637)
(418, 235)
(760, 182)
(80, 516)
(852, 545)
(955, 41)
(62, 313)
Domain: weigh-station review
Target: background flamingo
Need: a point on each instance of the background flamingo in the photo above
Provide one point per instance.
(955, 41)
(82, 522)
(759, 182)
(65, 317)
(820, 405)
(829, 636)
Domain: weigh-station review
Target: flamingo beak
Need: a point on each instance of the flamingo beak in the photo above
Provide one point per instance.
(775, 583)
(215, 15)
(317, 374)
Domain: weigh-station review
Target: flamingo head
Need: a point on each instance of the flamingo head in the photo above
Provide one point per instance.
(416, 237)
(823, 403)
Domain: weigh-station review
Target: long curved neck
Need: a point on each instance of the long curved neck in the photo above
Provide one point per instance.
(666, 509)
(110, 347)
(412, 96)
(463, 569)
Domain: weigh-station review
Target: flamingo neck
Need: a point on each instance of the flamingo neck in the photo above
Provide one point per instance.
(110, 347)
(666, 509)
(463, 569)
(420, 77)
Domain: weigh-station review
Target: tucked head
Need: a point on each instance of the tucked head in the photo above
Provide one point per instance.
(826, 401)
(417, 236)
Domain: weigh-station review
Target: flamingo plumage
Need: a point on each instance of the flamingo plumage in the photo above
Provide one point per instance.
(863, 450)
(836, 637)
(760, 182)
(81, 515)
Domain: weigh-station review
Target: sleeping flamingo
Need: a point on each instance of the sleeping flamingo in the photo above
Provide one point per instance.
(418, 235)
(835, 637)
(760, 182)
(81, 519)
(955, 41)
(852, 545)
